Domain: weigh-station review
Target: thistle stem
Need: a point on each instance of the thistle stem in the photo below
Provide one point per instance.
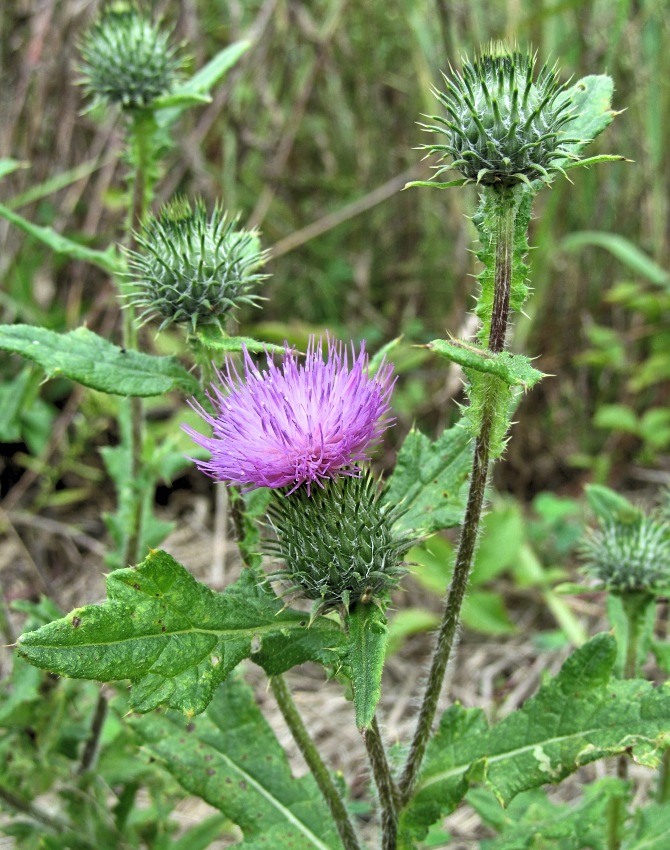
(311, 755)
(635, 606)
(140, 139)
(504, 248)
(386, 787)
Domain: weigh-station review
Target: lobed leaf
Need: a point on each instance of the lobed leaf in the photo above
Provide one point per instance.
(231, 758)
(174, 638)
(87, 358)
(430, 481)
(582, 715)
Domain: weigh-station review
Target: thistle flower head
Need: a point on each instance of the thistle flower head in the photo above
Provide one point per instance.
(629, 557)
(502, 127)
(337, 546)
(296, 423)
(193, 269)
(127, 59)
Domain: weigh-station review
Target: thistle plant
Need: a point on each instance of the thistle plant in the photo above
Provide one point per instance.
(127, 59)
(193, 269)
(292, 440)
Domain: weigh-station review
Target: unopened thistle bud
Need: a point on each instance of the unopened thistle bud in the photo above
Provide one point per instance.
(127, 59)
(193, 269)
(337, 545)
(502, 127)
(629, 557)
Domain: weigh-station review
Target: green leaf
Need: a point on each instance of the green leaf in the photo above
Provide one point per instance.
(382, 355)
(582, 715)
(109, 260)
(651, 830)
(592, 107)
(514, 369)
(430, 481)
(174, 638)
(368, 635)
(617, 417)
(180, 99)
(7, 166)
(624, 251)
(484, 611)
(408, 622)
(609, 506)
(230, 758)
(429, 184)
(211, 337)
(533, 822)
(203, 81)
(87, 358)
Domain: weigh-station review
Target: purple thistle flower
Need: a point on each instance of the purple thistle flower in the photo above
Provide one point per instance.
(294, 424)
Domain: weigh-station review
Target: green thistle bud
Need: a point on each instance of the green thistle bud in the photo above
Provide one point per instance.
(629, 557)
(193, 269)
(127, 59)
(337, 544)
(502, 127)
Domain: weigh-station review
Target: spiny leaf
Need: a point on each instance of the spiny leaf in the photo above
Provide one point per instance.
(174, 638)
(230, 757)
(211, 337)
(430, 481)
(514, 369)
(582, 715)
(368, 635)
(87, 358)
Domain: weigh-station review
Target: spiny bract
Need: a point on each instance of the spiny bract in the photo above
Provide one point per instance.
(127, 59)
(628, 557)
(337, 545)
(193, 269)
(502, 127)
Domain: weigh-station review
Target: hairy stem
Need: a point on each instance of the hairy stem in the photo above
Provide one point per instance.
(386, 786)
(141, 140)
(503, 269)
(311, 755)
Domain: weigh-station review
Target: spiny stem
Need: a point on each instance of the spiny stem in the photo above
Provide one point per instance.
(311, 755)
(386, 786)
(504, 248)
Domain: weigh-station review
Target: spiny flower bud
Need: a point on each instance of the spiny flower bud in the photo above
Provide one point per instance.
(502, 127)
(337, 545)
(193, 269)
(127, 59)
(629, 557)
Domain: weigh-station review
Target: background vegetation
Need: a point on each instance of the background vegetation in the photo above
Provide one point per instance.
(311, 139)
